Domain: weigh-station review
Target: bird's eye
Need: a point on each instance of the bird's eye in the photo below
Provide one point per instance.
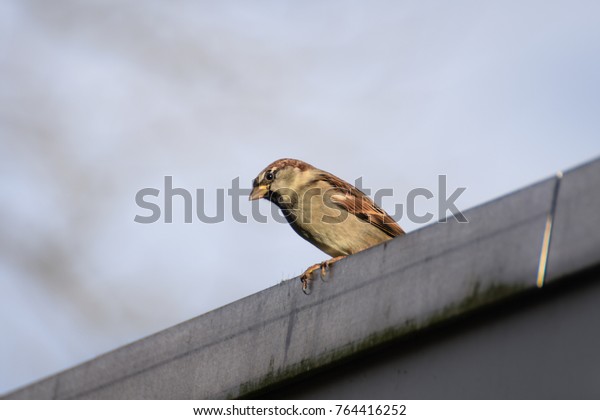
(269, 176)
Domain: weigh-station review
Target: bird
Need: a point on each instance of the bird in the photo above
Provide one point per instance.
(327, 211)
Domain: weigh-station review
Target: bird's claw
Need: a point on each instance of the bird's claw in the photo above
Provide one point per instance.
(306, 278)
(325, 266)
(306, 286)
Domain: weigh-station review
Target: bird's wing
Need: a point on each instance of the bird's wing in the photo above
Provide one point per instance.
(357, 203)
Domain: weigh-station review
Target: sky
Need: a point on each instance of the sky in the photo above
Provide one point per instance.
(101, 99)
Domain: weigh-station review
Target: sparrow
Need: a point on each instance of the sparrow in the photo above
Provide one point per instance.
(328, 212)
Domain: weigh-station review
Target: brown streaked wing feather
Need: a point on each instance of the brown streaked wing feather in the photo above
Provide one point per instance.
(357, 203)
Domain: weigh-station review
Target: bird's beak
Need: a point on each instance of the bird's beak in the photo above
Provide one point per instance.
(258, 192)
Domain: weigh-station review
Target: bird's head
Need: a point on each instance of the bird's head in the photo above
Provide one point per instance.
(284, 177)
